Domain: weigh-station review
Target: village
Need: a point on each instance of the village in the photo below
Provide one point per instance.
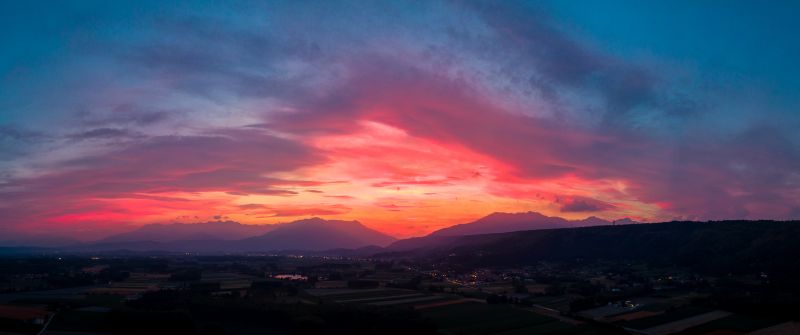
(242, 294)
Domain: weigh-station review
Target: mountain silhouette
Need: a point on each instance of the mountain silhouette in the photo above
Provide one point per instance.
(313, 234)
(317, 234)
(509, 222)
(213, 230)
(719, 247)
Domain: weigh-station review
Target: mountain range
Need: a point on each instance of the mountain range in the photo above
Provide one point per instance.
(497, 223)
(317, 234)
(508, 222)
(214, 230)
(717, 247)
(713, 247)
(314, 234)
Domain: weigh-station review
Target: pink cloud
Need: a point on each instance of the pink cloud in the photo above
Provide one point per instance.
(139, 179)
(455, 112)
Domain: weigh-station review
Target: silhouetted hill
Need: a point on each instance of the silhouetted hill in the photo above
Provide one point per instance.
(499, 223)
(720, 247)
(422, 243)
(214, 230)
(317, 234)
(304, 235)
(195, 246)
(508, 222)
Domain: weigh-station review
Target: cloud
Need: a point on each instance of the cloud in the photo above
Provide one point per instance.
(490, 100)
(15, 133)
(310, 211)
(397, 183)
(17, 142)
(289, 210)
(510, 85)
(339, 196)
(579, 82)
(580, 204)
(211, 58)
(104, 133)
(252, 206)
(148, 171)
(127, 114)
(695, 175)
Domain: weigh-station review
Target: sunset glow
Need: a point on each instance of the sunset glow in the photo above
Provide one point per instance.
(406, 122)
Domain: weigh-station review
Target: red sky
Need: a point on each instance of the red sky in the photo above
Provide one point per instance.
(408, 118)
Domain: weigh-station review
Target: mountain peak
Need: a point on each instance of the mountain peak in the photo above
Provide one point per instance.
(211, 230)
(500, 222)
(625, 221)
(318, 234)
(311, 234)
(320, 221)
(315, 219)
(503, 215)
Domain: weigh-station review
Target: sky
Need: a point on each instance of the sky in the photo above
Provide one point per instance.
(408, 116)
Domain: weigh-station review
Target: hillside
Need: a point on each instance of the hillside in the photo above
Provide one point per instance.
(313, 234)
(214, 230)
(317, 234)
(509, 222)
(718, 247)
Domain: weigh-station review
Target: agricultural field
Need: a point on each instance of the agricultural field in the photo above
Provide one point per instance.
(479, 318)
(377, 297)
(733, 323)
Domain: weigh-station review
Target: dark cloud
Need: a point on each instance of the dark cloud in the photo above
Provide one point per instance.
(8, 132)
(17, 142)
(126, 115)
(533, 51)
(580, 204)
(105, 133)
(213, 59)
